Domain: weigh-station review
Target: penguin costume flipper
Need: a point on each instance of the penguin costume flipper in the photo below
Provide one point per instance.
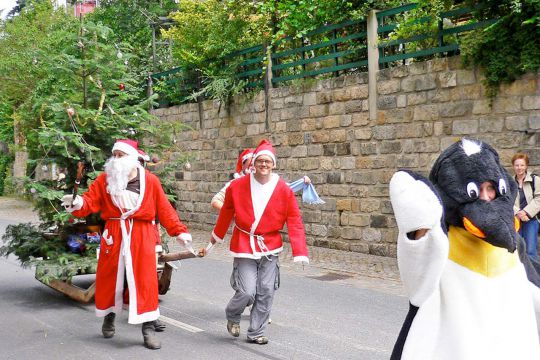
(532, 268)
(417, 206)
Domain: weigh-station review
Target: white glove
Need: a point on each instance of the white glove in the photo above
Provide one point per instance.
(77, 203)
(415, 204)
(186, 240)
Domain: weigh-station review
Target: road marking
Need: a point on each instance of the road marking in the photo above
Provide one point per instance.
(180, 324)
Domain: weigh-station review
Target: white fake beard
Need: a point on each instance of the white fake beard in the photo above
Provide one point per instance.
(118, 170)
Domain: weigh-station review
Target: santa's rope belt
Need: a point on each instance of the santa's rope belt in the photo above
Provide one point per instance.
(260, 242)
(126, 236)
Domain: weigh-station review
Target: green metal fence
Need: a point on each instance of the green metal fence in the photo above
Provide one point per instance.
(333, 50)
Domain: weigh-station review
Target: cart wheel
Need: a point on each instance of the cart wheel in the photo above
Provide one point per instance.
(165, 279)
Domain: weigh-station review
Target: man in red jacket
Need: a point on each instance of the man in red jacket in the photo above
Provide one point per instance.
(260, 203)
(129, 198)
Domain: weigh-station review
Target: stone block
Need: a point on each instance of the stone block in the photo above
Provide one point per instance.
(254, 129)
(519, 123)
(465, 127)
(353, 106)
(490, 124)
(293, 100)
(321, 136)
(351, 233)
(419, 83)
(437, 64)
(342, 94)
(401, 101)
(343, 149)
(519, 87)
(329, 149)
(531, 102)
(336, 108)
(359, 92)
(534, 121)
(368, 148)
(310, 99)
(418, 68)
(455, 109)
(447, 79)
(295, 138)
(334, 177)
(481, 107)
(426, 112)
(299, 151)
(348, 163)
(324, 97)
(362, 134)
(390, 147)
(507, 104)
(465, 77)
(339, 135)
(385, 132)
(409, 130)
(416, 98)
(314, 150)
(365, 178)
(360, 119)
(318, 110)
(319, 230)
(343, 204)
(345, 120)
(371, 235)
(309, 124)
(388, 87)
(386, 102)
(331, 122)
(399, 71)
(308, 163)
(369, 205)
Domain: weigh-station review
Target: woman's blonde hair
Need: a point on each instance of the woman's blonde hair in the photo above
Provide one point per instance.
(521, 156)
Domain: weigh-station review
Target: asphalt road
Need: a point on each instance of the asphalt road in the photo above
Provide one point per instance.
(314, 317)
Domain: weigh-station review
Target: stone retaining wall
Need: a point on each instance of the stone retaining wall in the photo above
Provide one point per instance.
(322, 129)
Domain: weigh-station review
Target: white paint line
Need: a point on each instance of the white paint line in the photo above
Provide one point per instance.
(180, 324)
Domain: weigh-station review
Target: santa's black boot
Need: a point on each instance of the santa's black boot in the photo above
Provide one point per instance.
(108, 325)
(150, 339)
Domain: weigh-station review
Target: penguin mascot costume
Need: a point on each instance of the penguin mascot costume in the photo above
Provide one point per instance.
(472, 288)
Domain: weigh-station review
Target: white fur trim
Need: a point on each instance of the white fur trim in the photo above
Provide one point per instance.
(105, 312)
(471, 147)
(217, 238)
(301, 258)
(265, 152)
(125, 148)
(185, 237)
(258, 255)
(246, 157)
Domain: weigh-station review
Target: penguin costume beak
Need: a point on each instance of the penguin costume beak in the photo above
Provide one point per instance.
(458, 174)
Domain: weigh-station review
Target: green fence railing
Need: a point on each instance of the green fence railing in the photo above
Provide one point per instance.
(334, 50)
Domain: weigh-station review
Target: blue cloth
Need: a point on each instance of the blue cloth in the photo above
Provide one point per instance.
(309, 195)
(529, 231)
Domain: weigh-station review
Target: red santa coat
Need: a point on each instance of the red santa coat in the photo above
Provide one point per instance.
(128, 246)
(255, 237)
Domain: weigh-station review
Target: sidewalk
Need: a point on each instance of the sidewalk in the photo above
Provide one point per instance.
(374, 272)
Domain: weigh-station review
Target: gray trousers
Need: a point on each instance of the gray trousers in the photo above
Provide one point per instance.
(255, 282)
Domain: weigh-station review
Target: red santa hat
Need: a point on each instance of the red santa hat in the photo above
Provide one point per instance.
(265, 148)
(130, 147)
(243, 157)
(143, 156)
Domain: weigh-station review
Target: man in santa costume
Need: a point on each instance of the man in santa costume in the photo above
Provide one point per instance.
(129, 198)
(242, 168)
(260, 204)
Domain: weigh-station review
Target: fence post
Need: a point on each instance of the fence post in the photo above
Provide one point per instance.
(267, 85)
(373, 63)
(149, 91)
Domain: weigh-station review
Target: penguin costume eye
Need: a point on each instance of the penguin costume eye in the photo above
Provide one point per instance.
(472, 190)
(502, 187)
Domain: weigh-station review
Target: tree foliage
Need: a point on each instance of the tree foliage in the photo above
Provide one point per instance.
(508, 48)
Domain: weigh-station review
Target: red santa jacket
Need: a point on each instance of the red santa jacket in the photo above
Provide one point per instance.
(253, 238)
